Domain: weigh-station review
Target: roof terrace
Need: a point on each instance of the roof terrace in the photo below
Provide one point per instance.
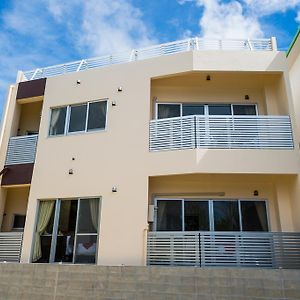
(197, 44)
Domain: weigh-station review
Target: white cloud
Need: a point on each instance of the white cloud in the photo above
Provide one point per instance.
(103, 26)
(227, 20)
(238, 18)
(37, 33)
(268, 7)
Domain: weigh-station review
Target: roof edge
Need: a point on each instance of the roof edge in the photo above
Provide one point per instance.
(293, 42)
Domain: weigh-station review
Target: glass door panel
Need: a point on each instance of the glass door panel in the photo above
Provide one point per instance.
(66, 231)
(226, 216)
(87, 228)
(244, 110)
(44, 232)
(254, 216)
(168, 110)
(169, 215)
(196, 215)
(219, 109)
(192, 109)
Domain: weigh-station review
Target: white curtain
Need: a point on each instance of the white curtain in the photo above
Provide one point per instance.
(46, 208)
(94, 209)
(55, 114)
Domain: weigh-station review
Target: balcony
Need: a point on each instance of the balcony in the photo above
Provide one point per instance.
(21, 150)
(221, 132)
(224, 249)
(10, 246)
(19, 160)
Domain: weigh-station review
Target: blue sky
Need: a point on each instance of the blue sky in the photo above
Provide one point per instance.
(37, 33)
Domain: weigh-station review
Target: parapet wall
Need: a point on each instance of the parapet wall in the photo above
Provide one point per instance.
(41, 281)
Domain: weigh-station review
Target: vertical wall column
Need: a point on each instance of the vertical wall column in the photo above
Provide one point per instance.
(284, 206)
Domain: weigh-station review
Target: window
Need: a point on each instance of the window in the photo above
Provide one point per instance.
(214, 215)
(78, 118)
(19, 222)
(171, 110)
(67, 231)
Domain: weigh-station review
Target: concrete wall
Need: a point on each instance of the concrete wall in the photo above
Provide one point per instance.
(58, 282)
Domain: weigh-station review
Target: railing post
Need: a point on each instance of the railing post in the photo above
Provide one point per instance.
(274, 43)
(195, 129)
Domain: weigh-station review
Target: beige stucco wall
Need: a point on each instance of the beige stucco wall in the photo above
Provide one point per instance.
(293, 62)
(269, 187)
(30, 117)
(16, 203)
(120, 157)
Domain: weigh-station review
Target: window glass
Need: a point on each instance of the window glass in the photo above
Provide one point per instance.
(226, 216)
(97, 115)
(66, 231)
(88, 215)
(192, 109)
(217, 109)
(58, 120)
(254, 216)
(19, 221)
(86, 247)
(244, 109)
(196, 215)
(169, 215)
(168, 111)
(77, 118)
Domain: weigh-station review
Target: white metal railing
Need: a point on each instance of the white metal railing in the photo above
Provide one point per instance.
(10, 246)
(150, 52)
(224, 249)
(221, 132)
(21, 150)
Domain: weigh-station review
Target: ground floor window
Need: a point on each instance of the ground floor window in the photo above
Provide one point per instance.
(214, 215)
(67, 231)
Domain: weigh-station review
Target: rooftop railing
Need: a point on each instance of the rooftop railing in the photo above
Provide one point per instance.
(199, 44)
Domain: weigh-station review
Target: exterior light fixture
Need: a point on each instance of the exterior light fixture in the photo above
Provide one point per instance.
(78, 81)
(114, 189)
(208, 77)
(255, 193)
(247, 97)
(70, 171)
(113, 103)
(120, 89)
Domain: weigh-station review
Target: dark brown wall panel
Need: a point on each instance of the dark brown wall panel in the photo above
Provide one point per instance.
(17, 174)
(32, 88)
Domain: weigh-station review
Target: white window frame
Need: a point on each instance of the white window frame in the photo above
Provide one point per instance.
(205, 104)
(68, 116)
(210, 210)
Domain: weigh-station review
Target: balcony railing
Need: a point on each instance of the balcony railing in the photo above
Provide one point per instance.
(150, 52)
(21, 150)
(10, 246)
(221, 132)
(224, 249)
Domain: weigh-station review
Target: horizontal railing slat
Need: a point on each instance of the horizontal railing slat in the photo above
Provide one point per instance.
(223, 132)
(240, 249)
(10, 246)
(21, 150)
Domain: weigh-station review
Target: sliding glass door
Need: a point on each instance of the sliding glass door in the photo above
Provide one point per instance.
(213, 215)
(67, 231)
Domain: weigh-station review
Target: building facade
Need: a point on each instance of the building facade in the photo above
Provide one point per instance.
(185, 153)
